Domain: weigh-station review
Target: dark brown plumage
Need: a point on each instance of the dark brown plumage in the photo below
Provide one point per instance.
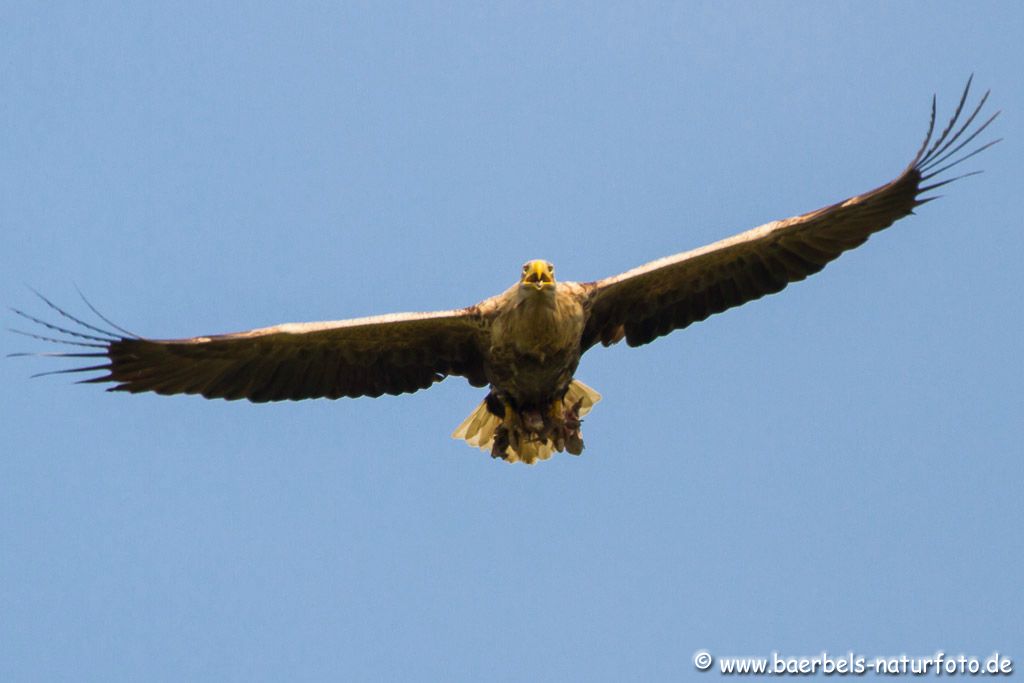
(527, 341)
(670, 294)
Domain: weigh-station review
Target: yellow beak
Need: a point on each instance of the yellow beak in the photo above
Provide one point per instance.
(538, 274)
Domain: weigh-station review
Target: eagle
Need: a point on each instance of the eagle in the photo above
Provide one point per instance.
(524, 344)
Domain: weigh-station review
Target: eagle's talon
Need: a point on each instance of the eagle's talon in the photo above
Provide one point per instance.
(499, 449)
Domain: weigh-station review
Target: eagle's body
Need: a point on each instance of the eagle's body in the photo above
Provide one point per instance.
(526, 343)
(535, 346)
(535, 342)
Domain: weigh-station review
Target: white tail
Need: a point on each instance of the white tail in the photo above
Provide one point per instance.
(479, 428)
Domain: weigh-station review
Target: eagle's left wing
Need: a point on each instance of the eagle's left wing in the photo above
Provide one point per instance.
(671, 293)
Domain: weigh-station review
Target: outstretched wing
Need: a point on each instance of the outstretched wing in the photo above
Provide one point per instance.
(389, 354)
(671, 293)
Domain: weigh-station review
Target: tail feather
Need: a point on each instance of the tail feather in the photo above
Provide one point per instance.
(580, 392)
(479, 428)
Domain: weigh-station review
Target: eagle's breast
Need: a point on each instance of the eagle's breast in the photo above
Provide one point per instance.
(535, 342)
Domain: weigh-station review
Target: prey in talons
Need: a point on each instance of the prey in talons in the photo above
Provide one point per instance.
(531, 434)
(512, 433)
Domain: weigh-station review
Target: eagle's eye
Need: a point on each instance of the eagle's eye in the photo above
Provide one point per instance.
(551, 267)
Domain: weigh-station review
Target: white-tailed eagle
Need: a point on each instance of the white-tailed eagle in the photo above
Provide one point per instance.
(525, 343)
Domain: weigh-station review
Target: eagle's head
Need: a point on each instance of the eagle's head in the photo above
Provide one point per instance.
(538, 274)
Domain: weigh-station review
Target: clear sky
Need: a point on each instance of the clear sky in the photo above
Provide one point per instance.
(838, 467)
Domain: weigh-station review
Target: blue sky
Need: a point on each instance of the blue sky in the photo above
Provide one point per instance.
(834, 468)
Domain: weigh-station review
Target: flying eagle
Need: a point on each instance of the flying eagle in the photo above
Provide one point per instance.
(525, 343)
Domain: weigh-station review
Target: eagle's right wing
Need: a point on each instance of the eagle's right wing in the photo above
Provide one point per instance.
(390, 354)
